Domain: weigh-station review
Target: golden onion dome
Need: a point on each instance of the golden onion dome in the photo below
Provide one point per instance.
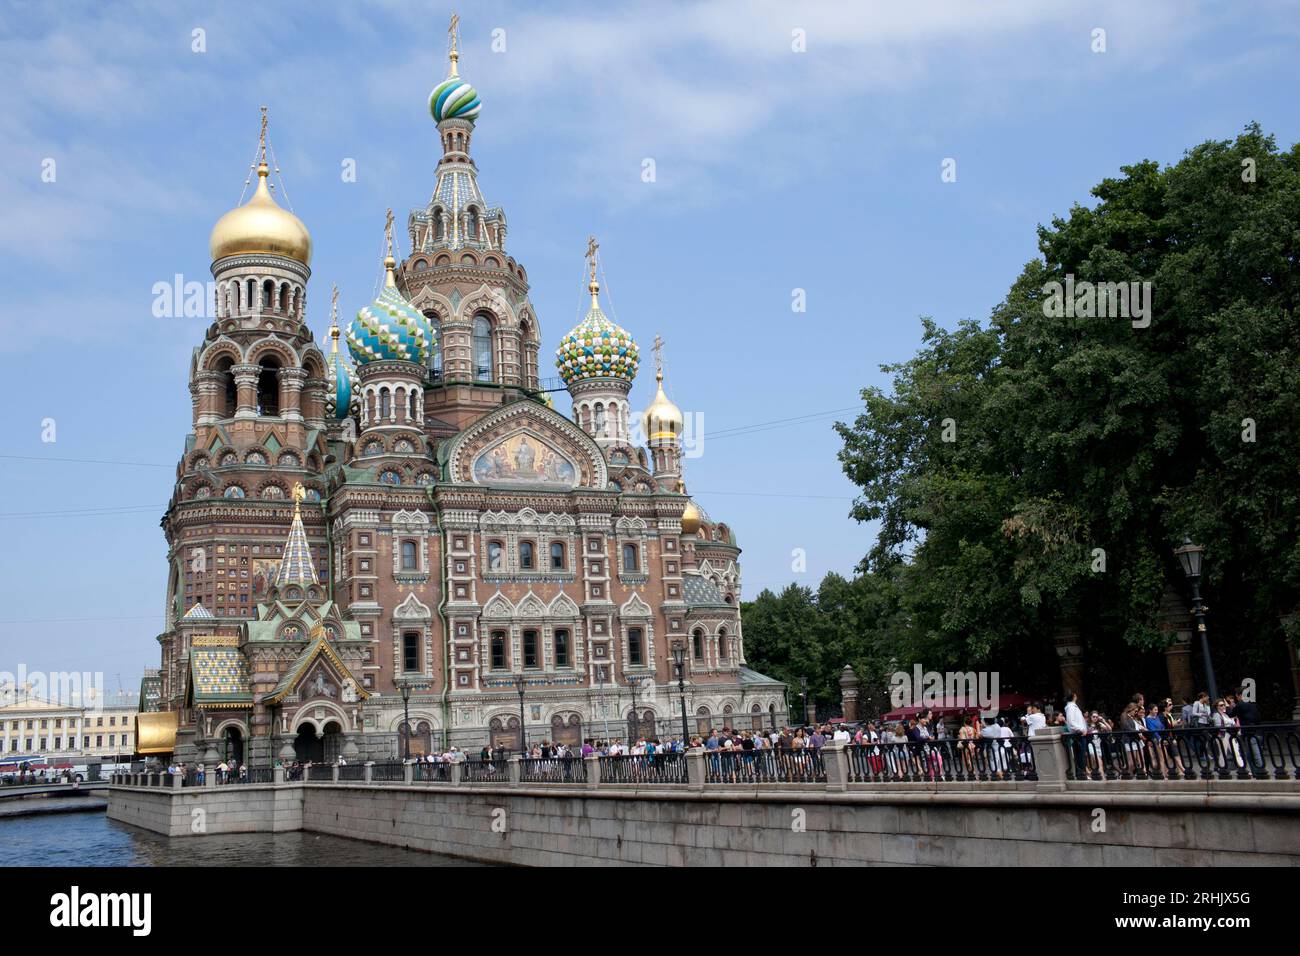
(662, 419)
(260, 225)
(690, 518)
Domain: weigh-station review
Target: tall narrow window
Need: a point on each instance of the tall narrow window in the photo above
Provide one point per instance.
(562, 648)
(697, 641)
(722, 644)
(412, 410)
(530, 648)
(634, 655)
(526, 559)
(630, 558)
(435, 353)
(557, 556)
(268, 388)
(385, 404)
(411, 651)
(498, 650)
(495, 554)
(410, 559)
(482, 348)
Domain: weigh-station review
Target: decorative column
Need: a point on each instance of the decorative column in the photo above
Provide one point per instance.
(1175, 622)
(849, 694)
(208, 386)
(246, 389)
(291, 383)
(1069, 654)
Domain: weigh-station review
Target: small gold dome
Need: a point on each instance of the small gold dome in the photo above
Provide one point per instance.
(690, 518)
(260, 225)
(663, 419)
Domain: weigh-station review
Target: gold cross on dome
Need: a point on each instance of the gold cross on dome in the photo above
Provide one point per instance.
(659, 355)
(592, 246)
(388, 231)
(261, 137)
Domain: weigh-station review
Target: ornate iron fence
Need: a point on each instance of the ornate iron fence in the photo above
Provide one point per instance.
(391, 771)
(1260, 752)
(995, 759)
(764, 766)
(644, 768)
(553, 770)
(485, 771)
(439, 772)
(352, 771)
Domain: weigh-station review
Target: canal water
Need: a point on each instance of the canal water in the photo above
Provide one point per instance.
(91, 839)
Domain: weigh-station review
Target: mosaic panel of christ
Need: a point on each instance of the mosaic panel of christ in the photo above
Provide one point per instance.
(524, 459)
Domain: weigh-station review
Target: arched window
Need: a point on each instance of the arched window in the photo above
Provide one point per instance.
(557, 555)
(437, 224)
(410, 558)
(722, 644)
(697, 644)
(527, 560)
(562, 647)
(530, 649)
(471, 226)
(498, 650)
(385, 404)
(268, 387)
(435, 352)
(412, 411)
(634, 649)
(482, 348)
(630, 562)
(600, 419)
(229, 391)
(268, 295)
(495, 554)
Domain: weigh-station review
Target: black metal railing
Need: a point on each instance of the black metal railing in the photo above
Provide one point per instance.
(644, 768)
(1260, 752)
(485, 771)
(553, 770)
(352, 771)
(439, 772)
(388, 772)
(764, 766)
(997, 759)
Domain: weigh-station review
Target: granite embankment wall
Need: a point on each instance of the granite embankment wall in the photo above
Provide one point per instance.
(547, 826)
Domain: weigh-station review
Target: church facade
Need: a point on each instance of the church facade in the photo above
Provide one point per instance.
(405, 544)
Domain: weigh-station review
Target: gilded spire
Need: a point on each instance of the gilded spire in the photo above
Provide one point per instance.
(453, 44)
(659, 357)
(334, 320)
(389, 261)
(593, 286)
(261, 146)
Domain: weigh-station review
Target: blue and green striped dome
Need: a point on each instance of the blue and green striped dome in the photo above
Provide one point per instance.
(390, 329)
(453, 98)
(597, 348)
(342, 378)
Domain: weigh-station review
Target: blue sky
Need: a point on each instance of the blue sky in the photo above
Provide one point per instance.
(776, 170)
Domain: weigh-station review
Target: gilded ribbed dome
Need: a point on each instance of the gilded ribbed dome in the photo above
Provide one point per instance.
(260, 225)
(662, 419)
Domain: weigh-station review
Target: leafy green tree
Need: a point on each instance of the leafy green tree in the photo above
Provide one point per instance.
(1035, 472)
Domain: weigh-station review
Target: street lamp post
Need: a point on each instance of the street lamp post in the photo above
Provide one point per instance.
(519, 686)
(1189, 556)
(634, 724)
(604, 708)
(803, 701)
(406, 721)
(679, 662)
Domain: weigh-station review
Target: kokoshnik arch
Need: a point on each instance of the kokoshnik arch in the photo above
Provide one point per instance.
(418, 515)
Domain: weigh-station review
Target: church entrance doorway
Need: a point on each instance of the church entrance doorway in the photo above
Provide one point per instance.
(332, 742)
(234, 746)
(308, 745)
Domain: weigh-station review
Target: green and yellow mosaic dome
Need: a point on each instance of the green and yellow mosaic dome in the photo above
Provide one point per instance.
(597, 348)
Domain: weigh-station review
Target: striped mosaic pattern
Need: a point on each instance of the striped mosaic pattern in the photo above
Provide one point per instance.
(453, 98)
(295, 566)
